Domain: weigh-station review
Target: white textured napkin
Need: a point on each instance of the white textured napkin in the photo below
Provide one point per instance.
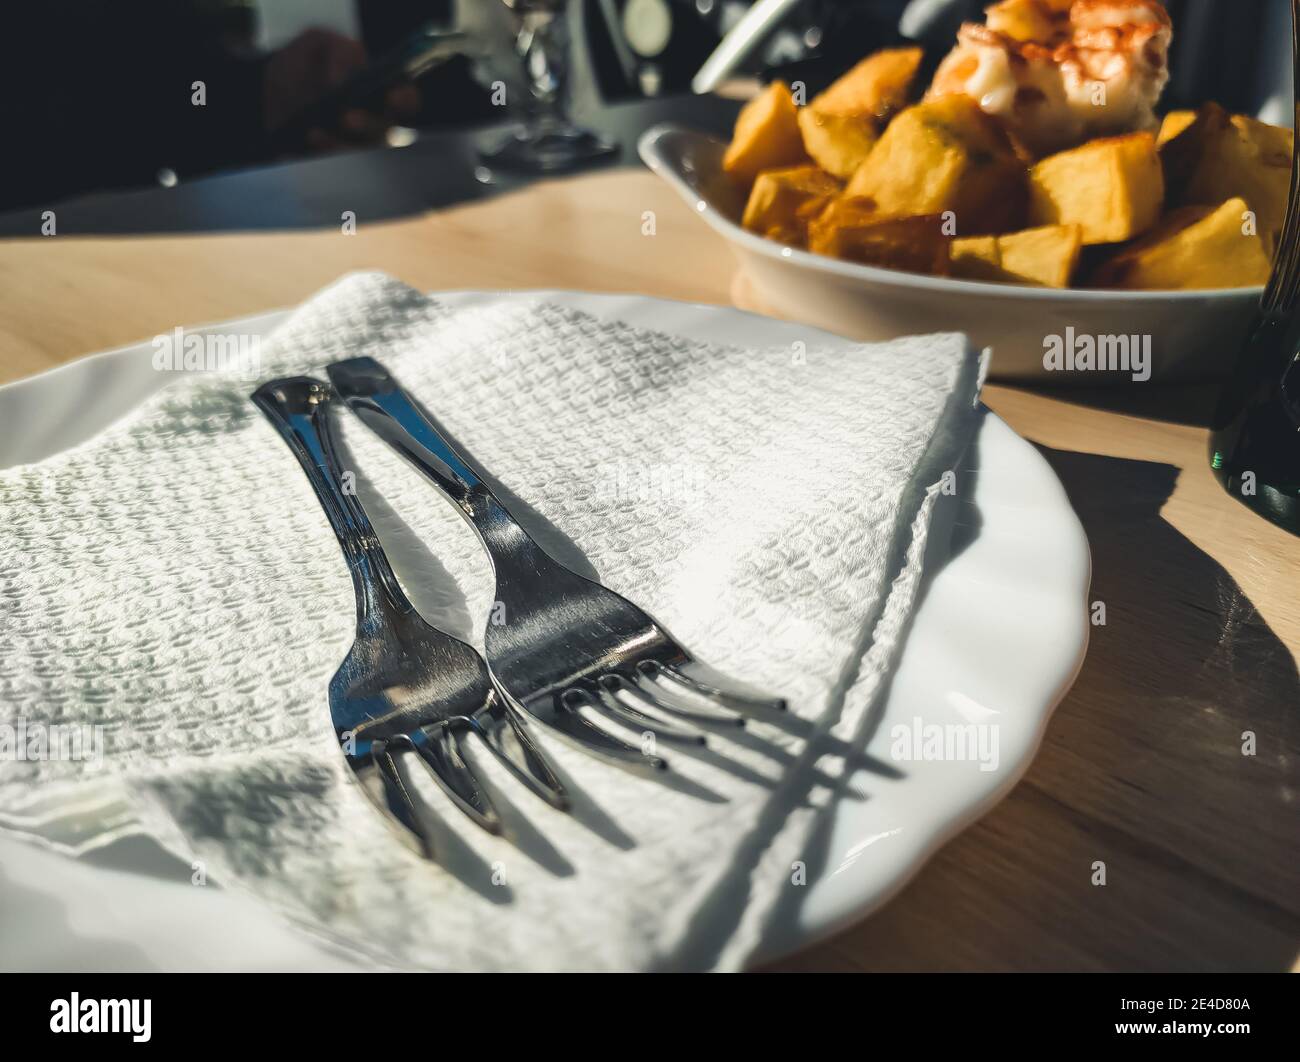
(175, 581)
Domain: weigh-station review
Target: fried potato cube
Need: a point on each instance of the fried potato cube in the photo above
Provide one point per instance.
(842, 124)
(977, 258)
(1173, 125)
(838, 143)
(766, 135)
(874, 88)
(1045, 257)
(852, 231)
(844, 212)
(1195, 247)
(1221, 155)
(1181, 153)
(1113, 188)
(782, 201)
(945, 154)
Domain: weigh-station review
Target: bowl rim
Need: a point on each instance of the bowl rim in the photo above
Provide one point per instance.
(653, 155)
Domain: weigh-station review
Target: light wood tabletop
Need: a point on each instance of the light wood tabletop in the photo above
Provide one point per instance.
(1142, 767)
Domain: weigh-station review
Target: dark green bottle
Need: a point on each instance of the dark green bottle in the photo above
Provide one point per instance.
(1255, 447)
(1255, 443)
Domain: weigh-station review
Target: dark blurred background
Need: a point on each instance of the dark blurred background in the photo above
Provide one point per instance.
(97, 94)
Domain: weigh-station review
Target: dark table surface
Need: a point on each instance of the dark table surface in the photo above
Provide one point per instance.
(439, 169)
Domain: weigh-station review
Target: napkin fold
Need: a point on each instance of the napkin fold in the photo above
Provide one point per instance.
(175, 583)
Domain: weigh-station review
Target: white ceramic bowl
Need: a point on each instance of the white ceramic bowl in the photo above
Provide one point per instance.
(1193, 335)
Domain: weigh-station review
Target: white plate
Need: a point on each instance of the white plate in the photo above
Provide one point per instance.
(997, 639)
(1193, 334)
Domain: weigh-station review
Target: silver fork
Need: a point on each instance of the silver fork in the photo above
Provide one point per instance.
(567, 643)
(404, 685)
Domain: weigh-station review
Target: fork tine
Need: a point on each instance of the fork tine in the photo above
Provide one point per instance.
(612, 685)
(569, 722)
(507, 739)
(397, 806)
(642, 688)
(738, 701)
(440, 751)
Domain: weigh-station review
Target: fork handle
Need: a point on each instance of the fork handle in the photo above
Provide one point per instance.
(298, 408)
(382, 404)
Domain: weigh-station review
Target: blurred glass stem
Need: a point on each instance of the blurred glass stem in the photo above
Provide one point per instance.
(545, 140)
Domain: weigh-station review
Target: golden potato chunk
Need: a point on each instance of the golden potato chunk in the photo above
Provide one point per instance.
(837, 142)
(766, 135)
(1194, 247)
(845, 212)
(1221, 155)
(842, 124)
(977, 258)
(851, 230)
(945, 155)
(1174, 123)
(782, 201)
(1181, 152)
(874, 88)
(1113, 188)
(1044, 257)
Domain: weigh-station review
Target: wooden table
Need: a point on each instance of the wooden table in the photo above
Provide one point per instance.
(1142, 767)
